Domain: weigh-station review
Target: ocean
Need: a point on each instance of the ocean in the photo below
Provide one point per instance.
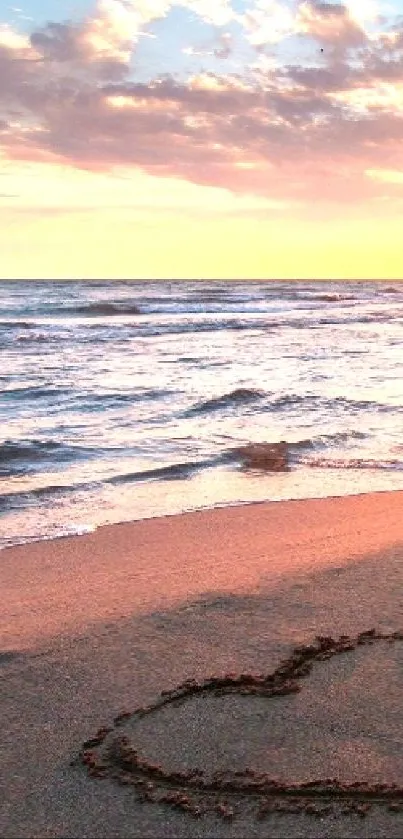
(127, 400)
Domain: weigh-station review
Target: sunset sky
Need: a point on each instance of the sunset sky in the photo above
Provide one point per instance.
(201, 138)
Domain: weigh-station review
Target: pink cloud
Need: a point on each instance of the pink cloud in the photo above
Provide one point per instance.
(330, 23)
(287, 133)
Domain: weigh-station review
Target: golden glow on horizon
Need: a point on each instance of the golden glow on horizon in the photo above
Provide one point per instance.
(387, 176)
(164, 244)
(38, 187)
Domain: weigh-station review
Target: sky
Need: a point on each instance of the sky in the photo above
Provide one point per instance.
(165, 139)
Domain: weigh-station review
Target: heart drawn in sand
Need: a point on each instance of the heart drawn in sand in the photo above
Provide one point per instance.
(113, 754)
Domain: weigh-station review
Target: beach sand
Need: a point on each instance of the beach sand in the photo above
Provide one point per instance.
(101, 623)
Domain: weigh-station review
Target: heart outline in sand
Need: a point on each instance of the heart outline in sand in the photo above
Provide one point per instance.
(189, 791)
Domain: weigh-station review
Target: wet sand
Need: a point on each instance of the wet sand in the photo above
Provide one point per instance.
(96, 624)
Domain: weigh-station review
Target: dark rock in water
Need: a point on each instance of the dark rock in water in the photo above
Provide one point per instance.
(272, 457)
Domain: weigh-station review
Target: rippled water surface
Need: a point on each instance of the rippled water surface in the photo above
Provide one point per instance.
(122, 401)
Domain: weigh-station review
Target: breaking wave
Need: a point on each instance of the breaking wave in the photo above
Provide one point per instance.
(34, 449)
(20, 456)
(174, 472)
(25, 498)
(326, 297)
(239, 396)
(326, 439)
(351, 463)
(106, 309)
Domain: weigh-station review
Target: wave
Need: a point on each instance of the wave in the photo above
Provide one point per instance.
(291, 399)
(20, 456)
(160, 324)
(174, 472)
(84, 400)
(362, 404)
(97, 402)
(34, 338)
(34, 392)
(245, 396)
(331, 297)
(151, 330)
(266, 322)
(58, 532)
(314, 400)
(107, 309)
(25, 338)
(293, 448)
(316, 461)
(10, 451)
(351, 463)
(16, 324)
(122, 397)
(239, 396)
(23, 498)
(334, 298)
(326, 439)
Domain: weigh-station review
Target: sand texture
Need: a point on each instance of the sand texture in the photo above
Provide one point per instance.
(96, 625)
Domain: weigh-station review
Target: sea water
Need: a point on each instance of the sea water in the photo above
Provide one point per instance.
(123, 401)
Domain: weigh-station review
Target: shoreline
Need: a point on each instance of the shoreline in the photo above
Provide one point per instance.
(78, 581)
(237, 489)
(85, 530)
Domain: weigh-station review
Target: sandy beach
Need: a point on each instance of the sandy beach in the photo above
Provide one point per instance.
(102, 623)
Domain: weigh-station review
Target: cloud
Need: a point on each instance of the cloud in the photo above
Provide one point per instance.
(115, 28)
(224, 46)
(12, 40)
(284, 131)
(267, 22)
(330, 24)
(363, 11)
(221, 47)
(216, 12)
